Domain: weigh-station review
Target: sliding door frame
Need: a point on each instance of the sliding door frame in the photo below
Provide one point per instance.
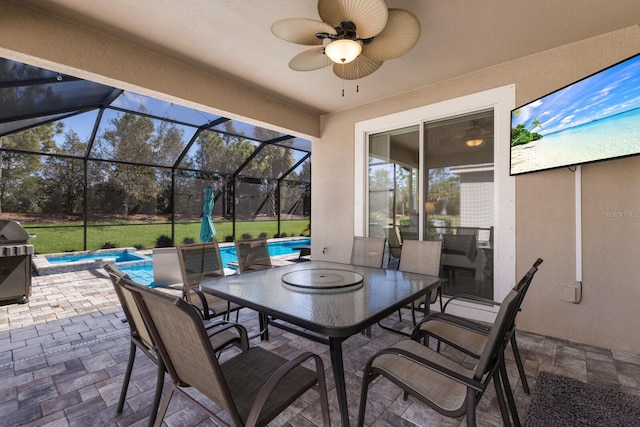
(501, 100)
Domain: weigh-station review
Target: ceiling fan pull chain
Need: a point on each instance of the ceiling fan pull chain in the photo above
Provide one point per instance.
(357, 77)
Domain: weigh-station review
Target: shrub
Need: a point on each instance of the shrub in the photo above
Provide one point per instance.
(188, 240)
(164, 241)
(108, 245)
(246, 236)
(228, 238)
(138, 246)
(263, 235)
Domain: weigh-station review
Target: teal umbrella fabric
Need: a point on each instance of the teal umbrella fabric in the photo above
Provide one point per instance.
(207, 230)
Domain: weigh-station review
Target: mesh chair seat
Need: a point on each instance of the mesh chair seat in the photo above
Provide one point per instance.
(246, 373)
(456, 335)
(441, 390)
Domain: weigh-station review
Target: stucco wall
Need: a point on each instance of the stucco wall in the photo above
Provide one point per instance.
(545, 211)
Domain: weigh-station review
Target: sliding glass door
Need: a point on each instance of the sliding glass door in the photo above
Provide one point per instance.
(435, 181)
(393, 180)
(458, 190)
(446, 177)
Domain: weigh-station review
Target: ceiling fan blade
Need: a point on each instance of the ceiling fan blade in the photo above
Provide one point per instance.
(309, 60)
(357, 69)
(370, 16)
(398, 37)
(301, 30)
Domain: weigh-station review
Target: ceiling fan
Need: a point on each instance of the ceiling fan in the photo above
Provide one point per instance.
(362, 34)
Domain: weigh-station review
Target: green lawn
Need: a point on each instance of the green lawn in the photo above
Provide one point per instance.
(64, 237)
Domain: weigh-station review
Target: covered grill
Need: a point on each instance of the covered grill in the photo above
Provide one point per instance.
(15, 262)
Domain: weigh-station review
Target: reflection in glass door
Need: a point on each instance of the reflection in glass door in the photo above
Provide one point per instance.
(394, 159)
(459, 199)
(452, 200)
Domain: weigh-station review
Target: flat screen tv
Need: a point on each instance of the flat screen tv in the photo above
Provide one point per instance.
(596, 118)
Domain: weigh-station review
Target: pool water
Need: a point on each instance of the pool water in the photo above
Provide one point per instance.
(144, 273)
(87, 260)
(119, 256)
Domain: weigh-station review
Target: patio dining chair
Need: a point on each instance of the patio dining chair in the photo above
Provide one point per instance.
(368, 251)
(469, 336)
(253, 254)
(449, 388)
(198, 262)
(460, 253)
(421, 257)
(140, 338)
(395, 247)
(252, 387)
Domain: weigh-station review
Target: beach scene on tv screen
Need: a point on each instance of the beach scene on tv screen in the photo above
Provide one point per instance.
(593, 119)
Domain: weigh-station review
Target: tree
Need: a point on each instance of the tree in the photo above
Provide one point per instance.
(270, 164)
(380, 187)
(129, 139)
(521, 135)
(64, 177)
(20, 173)
(403, 190)
(168, 143)
(221, 152)
(305, 171)
(443, 187)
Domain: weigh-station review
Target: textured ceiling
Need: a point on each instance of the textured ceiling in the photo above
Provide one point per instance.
(233, 38)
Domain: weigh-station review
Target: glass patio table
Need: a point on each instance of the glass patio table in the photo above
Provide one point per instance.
(325, 301)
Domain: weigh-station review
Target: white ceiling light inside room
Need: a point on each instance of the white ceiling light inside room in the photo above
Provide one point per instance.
(343, 51)
(474, 142)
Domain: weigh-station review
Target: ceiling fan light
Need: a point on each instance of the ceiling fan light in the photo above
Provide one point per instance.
(343, 51)
(474, 142)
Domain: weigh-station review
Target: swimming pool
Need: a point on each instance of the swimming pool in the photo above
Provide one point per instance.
(87, 260)
(121, 256)
(143, 273)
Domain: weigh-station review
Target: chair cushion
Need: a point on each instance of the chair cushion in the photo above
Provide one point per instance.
(444, 392)
(456, 335)
(247, 372)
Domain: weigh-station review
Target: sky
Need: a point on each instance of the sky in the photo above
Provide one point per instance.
(609, 92)
(83, 124)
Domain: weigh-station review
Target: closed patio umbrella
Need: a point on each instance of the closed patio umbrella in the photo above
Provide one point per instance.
(207, 230)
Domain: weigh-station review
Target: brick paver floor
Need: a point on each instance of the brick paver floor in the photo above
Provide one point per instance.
(64, 353)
